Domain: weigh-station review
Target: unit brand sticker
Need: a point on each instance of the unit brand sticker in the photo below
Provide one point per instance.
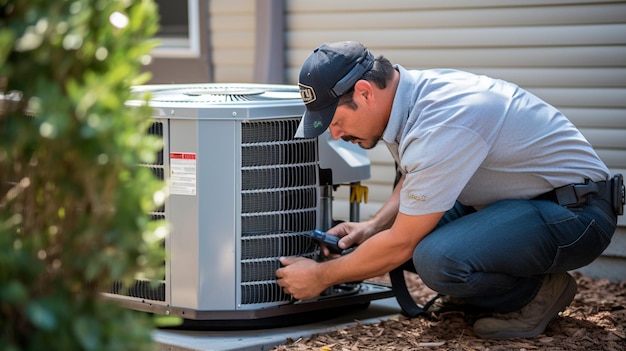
(182, 173)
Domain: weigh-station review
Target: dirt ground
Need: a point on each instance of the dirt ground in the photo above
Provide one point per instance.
(596, 320)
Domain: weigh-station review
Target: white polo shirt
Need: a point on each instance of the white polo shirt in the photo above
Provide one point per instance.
(461, 136)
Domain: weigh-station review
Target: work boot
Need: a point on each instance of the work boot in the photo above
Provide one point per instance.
(556, 293)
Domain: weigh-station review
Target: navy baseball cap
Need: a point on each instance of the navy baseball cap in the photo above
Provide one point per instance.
(330, 71)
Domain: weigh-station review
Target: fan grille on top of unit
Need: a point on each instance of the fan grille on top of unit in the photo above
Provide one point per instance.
(223, 94)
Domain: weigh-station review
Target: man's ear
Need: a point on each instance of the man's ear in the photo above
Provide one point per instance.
(363, 91)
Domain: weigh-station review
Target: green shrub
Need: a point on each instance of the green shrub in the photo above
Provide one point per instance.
(74, 204)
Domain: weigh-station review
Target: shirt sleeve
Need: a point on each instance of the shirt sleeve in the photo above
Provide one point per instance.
(438, 164)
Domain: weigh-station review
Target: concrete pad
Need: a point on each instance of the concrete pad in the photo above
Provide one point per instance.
(265, 339)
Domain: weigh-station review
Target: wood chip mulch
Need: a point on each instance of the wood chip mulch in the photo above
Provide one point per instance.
(596, 320)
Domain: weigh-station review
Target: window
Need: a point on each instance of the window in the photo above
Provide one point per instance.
(179, 31)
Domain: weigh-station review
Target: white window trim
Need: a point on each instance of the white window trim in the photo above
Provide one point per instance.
(183, 47)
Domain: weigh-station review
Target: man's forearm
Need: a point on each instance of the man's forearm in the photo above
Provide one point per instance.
(376, 256)
(382, 252)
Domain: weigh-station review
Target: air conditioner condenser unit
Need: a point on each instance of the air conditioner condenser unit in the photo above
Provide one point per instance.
(243, 192)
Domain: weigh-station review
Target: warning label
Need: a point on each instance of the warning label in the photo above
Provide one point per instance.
(182, 173)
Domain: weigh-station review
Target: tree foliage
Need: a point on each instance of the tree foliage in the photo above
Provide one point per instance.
(74, 198)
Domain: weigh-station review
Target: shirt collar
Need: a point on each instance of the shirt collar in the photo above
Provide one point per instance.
(400, 109)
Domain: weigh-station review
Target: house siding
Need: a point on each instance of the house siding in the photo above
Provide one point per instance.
(232, 26)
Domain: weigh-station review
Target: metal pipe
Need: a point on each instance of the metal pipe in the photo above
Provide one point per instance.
(356, 197)
(326, 206)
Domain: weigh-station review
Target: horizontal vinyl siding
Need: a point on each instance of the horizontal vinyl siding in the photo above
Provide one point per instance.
(341, 8)
(515, 37)
(569, 53)
(232, 40)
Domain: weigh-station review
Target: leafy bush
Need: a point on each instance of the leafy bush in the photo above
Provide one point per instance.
(74, 204)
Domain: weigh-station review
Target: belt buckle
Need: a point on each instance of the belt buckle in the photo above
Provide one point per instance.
(575, 194)
(566, 195)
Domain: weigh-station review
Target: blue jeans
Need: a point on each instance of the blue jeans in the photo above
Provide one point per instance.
(496, 258)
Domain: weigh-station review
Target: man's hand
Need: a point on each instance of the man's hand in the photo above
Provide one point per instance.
(300, 277)
(351, 233)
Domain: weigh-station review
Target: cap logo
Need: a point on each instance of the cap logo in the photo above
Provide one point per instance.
(307, 93)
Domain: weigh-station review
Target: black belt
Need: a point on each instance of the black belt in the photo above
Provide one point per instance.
(574, 195)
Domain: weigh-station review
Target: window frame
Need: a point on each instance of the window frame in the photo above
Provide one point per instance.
(189, 47)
